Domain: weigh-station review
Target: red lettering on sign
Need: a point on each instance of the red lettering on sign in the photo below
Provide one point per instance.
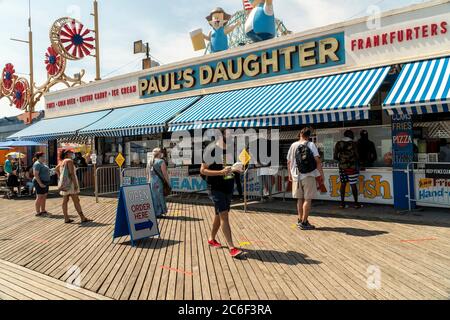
(392, 37)
(425, 31)
(101, 95)
(434, 29)
(141, 216)
(417, 30)
(129, 90)
(376, 41)
(87, 98)
(444, 27)
(140, 207)
(402, 139)
(400, 35)
(409, 33)
(369, 43)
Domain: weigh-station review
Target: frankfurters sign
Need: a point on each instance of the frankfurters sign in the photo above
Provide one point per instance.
(135, 214)
(327, 51)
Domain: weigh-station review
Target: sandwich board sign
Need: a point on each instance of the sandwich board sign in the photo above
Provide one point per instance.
(135, 214)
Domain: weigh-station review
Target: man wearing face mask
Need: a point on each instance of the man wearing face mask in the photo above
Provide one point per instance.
(220, 180)
(41, 183)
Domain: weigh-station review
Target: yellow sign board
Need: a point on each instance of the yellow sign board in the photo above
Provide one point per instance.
(245, 157)
(120, 160)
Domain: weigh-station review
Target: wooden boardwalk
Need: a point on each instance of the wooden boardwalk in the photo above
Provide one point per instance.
(338, 261)
(19, 283)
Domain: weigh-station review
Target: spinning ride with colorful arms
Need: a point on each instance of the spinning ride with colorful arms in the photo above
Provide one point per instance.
(70, 40)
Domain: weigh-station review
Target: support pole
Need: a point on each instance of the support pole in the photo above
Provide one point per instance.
(30, 54)
(97, 42)
(245, 190)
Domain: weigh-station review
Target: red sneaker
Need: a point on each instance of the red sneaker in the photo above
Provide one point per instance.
(235, 252)
(214, 244)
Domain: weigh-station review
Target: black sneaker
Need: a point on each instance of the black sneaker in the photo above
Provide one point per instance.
(306, 226)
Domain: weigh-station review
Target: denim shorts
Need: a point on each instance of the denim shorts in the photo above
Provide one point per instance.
(39, 190)
(222, 201)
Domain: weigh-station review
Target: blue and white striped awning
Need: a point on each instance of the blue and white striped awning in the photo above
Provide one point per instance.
(138, 120)
(422, 87)
(58, 128)
(342, 97)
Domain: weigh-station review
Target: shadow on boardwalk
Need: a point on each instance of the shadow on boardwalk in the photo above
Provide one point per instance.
(290, 258)
(182, 218)
(354, 232)
(152, 244)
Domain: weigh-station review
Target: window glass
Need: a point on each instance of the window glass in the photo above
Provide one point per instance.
(381, 136)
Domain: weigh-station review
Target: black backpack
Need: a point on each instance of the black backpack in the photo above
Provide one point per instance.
(304, 157)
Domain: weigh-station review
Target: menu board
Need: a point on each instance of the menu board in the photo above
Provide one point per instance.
(328, 149)
(135, 214)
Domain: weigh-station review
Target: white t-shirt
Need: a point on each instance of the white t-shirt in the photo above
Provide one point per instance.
(291, 157)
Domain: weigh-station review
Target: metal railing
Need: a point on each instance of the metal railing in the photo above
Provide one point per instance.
(262, 183)
(427, 191)
(107, 181)
(86, 178)
(133, 176)
(268, 182)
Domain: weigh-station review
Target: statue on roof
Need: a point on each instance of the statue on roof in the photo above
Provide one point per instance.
(218, 37)
(260, 24)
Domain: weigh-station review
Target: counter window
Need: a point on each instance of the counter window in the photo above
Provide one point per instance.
(432, 141)
(380, 139)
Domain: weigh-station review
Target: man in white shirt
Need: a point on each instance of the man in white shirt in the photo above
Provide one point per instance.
(304, 184)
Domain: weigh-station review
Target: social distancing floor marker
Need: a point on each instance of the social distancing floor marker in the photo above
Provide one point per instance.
(418, 240)
(39, 240)
(248, 242)
(177, 270)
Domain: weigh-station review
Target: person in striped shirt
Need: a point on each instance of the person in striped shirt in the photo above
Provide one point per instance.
(346, 153)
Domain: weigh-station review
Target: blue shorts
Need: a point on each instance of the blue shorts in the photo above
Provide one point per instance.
(222, 201)
(41, 191)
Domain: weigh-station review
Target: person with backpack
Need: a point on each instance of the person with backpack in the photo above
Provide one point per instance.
(346, 153)
(305, 166)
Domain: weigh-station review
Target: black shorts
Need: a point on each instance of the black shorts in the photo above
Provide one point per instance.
(222, 201)
(39, 189)
(13, 181)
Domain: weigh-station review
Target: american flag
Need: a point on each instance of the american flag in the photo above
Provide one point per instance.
(247, 5)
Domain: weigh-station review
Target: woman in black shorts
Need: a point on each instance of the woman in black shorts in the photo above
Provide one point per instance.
(41, 183)
(221, 186)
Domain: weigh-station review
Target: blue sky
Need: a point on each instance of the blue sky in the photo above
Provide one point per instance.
(165, 24)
